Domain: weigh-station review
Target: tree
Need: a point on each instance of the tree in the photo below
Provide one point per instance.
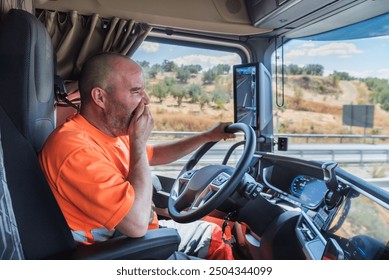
(169, 81)
(293, 69)
(209, 76)
(379, 91)
(221, 69)
(203, 100)
(194, 92)
(168, 66)
(344, 76)
(154, 70)
(220, 97)
(160, 91)
(194, 68)
(335, 80)
(144, 64)
(314, 69)
(183, 74)
(179, 93)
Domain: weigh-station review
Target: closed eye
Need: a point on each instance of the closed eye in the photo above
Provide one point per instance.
(136, 90)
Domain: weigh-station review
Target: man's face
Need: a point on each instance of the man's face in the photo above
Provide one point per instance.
(127, 93)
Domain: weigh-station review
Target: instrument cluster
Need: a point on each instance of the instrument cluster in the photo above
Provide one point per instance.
(309, 190)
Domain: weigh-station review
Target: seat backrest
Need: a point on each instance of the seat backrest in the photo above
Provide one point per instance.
(26, 119)
(27, 76)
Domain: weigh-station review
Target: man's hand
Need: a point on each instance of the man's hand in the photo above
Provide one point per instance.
(217, 132)
(141, 124)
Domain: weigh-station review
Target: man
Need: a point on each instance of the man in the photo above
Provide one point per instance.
(97, 163)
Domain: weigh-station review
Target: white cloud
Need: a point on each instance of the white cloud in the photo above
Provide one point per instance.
(206, 61)
(308, 45)
(149, 47)
(384, 72)
(342, 50)
(296, 53)
(345, 56)
(379, 73)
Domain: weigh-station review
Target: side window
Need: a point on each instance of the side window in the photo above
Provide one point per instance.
(190, 90)
(185, 82)
(336, 93)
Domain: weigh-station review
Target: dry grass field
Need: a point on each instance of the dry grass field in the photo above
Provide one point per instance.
(169, 117)
(305, 110)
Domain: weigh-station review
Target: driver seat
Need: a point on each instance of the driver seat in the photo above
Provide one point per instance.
(27, 117)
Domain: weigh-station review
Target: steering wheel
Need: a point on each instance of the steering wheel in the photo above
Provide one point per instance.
(195, 193)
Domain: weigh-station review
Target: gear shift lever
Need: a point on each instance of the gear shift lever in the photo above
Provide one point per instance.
(333, 196)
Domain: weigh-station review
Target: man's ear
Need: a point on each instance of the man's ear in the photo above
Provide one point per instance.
(98, 96)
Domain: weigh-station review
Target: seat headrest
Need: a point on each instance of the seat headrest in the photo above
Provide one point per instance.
(27, 75)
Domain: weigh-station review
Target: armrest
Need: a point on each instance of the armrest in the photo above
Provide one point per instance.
(157, 244)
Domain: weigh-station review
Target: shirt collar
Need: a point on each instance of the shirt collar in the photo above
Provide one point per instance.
(84, 123)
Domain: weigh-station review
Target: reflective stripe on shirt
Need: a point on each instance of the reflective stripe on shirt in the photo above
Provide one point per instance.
(98, 234)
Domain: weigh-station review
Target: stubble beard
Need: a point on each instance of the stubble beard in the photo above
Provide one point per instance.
(118, 119)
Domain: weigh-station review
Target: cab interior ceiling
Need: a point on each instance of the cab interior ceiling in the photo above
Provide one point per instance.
(231, 18)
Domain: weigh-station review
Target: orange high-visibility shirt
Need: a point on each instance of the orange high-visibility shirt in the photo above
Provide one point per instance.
(87, 172)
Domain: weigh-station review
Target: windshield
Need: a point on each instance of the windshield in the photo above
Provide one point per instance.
(334, 92)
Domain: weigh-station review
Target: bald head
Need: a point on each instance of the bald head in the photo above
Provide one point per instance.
(97, 72)
(111, 88)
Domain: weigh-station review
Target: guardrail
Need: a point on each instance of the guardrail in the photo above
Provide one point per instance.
(355, 156)
(308, 137)
(341, 137)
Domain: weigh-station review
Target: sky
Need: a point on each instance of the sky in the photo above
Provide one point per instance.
(157, 53)
(360, 58)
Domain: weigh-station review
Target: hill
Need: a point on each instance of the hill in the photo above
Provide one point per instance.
(312, 109)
